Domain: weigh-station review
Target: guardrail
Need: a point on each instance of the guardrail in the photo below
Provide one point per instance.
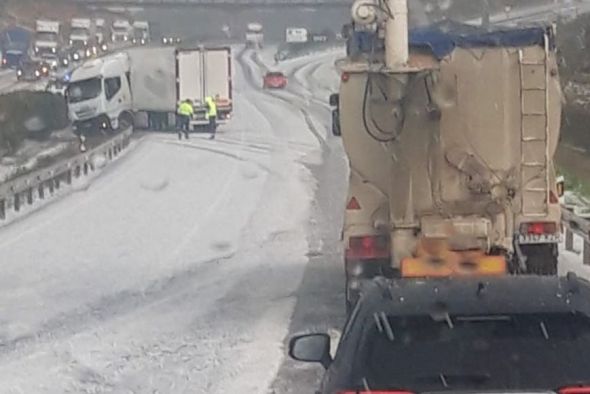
(41, 184)
(575, 224)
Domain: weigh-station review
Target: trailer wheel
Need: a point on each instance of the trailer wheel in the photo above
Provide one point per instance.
(541, 259)
(125, 120)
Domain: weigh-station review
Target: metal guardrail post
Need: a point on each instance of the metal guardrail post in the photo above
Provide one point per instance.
(30, 196)
(41, 191)
(569, 240)
(586, 258)
(2, 209)
(17, 202)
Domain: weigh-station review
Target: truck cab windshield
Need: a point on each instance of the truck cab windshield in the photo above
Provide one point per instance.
(46, 36)
(84, 90)
(78, 31)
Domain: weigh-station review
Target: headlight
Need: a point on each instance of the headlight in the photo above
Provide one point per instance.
(85, 42)
(36, 49)
(142, 41)
(104, 47)
(165, 40)
(54, 63)
(44, 69)
(37, 73)
(125, 38)
(76, 56)
(65, 62)
(19, 72)
(53, 50)
(71, 42)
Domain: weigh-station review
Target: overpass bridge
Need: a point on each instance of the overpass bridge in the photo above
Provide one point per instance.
(216, 3)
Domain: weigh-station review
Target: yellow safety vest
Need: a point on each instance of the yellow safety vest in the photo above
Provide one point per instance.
(212, 107)
(185, 109)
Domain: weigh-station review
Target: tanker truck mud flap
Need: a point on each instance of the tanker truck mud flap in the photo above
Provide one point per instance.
(366, 257)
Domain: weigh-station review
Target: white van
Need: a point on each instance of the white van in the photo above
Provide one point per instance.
(99, 94)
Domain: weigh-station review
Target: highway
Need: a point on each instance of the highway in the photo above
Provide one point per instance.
(185, 265)
(190, 273)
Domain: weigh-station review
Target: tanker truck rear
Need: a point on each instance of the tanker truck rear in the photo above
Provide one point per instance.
(450, 133)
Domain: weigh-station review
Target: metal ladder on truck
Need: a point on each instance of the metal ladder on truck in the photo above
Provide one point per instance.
(534, 165)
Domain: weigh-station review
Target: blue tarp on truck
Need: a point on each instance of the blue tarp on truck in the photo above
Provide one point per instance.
(442, 39)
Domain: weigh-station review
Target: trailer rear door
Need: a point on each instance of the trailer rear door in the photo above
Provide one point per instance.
(218, 73)
(189, 72)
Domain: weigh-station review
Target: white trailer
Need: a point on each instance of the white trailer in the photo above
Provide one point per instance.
(205, 72)
(47, 37)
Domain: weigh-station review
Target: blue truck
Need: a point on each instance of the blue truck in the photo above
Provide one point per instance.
(15, 43)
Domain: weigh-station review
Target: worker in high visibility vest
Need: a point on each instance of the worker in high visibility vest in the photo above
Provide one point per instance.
(185, 113)
(211, 115)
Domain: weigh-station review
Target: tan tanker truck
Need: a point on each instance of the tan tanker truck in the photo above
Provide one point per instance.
(450, 133)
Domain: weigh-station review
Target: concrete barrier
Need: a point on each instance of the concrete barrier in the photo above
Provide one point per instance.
(39, 186)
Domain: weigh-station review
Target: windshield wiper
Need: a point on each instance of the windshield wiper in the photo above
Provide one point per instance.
(448, 380)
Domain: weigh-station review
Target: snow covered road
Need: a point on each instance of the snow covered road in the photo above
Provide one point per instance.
(184, 266)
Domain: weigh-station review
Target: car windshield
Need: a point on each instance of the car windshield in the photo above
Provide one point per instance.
(44, 36)
(417, 353)
(84, 90)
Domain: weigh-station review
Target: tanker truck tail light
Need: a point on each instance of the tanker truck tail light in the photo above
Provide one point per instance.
(344, 77)
(538, 228)
(368, 247)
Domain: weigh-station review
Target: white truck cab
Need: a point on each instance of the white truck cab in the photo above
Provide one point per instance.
(121, 30)
(47, 37)
(80, 32)
(99, 93)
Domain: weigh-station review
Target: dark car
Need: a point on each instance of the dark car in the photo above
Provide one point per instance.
(275, 80)
(29, 70)
(527, 334)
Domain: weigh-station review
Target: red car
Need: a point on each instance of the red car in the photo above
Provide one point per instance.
(275, 80)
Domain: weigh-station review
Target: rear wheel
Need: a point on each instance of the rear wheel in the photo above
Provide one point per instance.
(541, 259)
(125, 120)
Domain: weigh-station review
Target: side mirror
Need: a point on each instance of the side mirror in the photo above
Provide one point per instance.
(313, 348)
(560, 186)
(334, 100)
